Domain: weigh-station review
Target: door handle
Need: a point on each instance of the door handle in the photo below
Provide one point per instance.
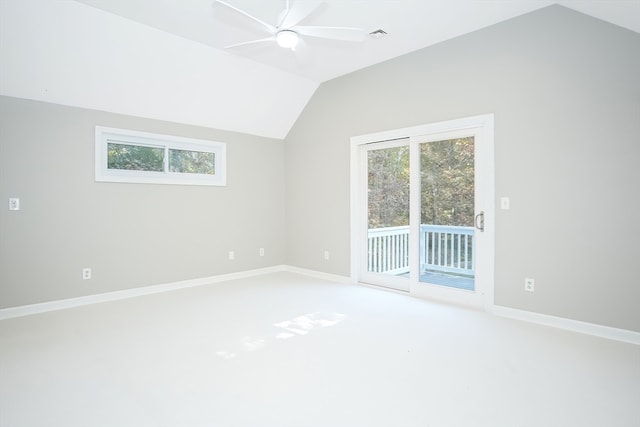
(479, 221)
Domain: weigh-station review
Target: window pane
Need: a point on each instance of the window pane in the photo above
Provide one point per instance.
(388, 187)
(135, 157)
(388, 211)
(447, 182)
(186, 161)
(447, 235)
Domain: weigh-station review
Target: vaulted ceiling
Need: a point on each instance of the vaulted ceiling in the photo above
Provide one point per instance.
(166, 59)
(409, 24)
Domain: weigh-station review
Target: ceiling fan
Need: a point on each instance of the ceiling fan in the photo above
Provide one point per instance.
(287, 33)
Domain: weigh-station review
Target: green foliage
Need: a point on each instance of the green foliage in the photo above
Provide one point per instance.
(141, 158)
(185, 161)
(388, 189)
(447, 184)
(135, 157)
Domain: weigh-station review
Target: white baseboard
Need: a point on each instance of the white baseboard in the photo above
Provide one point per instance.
(318, 274)
(527, 316)
(609, 332)
(26, 310)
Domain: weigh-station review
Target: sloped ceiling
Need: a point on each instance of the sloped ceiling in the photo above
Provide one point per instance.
(164, 59)
(72, 54)
(410, 24)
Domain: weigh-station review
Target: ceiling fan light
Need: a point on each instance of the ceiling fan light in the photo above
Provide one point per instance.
(287, 39)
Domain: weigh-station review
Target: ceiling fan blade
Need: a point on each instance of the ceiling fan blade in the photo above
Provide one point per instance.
(268, 26)
(298, 12)
(267, 39)
(302, 54)
(335, 33)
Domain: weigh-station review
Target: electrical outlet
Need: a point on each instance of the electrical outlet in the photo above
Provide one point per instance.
(14, 204)
(232, 255)
(86, 273)
(261, 251)
(529, 285)
(326, 255)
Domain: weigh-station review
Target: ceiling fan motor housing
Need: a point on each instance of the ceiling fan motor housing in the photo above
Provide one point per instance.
(287, 38)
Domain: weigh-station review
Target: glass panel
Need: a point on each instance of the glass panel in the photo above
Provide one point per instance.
(388, 211)
(186, 161)
(135, 157)
(447, 213)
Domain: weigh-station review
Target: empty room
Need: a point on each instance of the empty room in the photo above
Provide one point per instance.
(319, 213)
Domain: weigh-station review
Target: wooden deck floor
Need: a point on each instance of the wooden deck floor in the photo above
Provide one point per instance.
(459, 282)
(453, 281)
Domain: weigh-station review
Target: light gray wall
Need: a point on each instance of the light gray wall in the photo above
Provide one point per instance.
(565, 91)
(131, 235)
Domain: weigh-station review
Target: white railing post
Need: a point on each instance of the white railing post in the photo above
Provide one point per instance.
(447, 249)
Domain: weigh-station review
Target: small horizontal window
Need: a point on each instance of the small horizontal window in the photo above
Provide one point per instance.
(186, 161)
(140, 157)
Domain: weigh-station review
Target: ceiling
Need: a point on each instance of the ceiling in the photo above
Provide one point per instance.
(165, 59)
(410, 24)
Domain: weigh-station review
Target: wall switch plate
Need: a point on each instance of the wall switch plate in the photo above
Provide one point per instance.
(14, 204)
(261, 251)
(232, 255)
(529, 285)
(86, 273)
(504, 203)
(326, 255)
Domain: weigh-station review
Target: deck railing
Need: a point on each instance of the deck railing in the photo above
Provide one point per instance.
(388, 250)
(446, 249)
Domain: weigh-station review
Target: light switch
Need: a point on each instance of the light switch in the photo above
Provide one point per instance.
(14, 204)
(504, 203)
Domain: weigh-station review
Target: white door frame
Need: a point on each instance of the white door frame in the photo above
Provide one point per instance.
(485, 268)
(392, 282)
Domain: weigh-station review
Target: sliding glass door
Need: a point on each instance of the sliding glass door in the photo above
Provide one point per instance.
(386, 245)
(423, 202)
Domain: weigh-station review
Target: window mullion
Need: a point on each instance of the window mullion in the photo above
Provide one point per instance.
(141, 157)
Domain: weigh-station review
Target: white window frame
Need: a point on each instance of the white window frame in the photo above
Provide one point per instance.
(104, 135)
